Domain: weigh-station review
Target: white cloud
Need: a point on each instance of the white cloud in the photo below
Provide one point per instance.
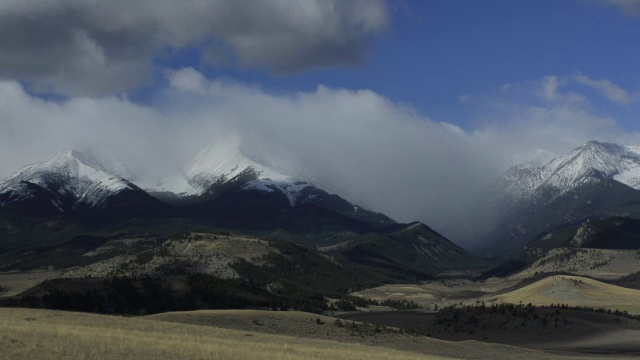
(550, 89)
(608, 89)
(367, 147)
(631, 7)
(187, 81)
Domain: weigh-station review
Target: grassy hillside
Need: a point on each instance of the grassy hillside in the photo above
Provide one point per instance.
(601, 264)
(41, 334)
(573, 291)
(320, 327)
(124, 271)
(138, 274)
(631, 281)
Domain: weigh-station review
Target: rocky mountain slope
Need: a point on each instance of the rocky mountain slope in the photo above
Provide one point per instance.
(412, 249)
(602, 248)
(596, 180)
(590, 164)
(75, 183)
(225, 181)
(54, 212)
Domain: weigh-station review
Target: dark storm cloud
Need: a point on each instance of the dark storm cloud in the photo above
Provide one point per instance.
(95, 47)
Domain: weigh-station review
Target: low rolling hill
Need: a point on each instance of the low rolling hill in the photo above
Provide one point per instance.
(39, 334)
(573, 291)
(603, 264)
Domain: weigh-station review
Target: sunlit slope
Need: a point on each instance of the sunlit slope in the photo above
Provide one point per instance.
(573, 291)
(44, 334)
(602, 264)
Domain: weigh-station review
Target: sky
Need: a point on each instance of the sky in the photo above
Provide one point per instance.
(411, 108)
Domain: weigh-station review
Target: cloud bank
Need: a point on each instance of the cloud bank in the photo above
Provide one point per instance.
(356, 143)
(94, 47)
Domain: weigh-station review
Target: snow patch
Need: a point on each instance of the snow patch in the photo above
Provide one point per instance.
(291, 188)
(585, 165)
(224, 161)
(68, 173)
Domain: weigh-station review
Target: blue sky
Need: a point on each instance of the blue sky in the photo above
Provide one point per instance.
(435, 52)
(471, 47)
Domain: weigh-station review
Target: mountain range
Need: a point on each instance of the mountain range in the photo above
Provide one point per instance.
(75, 184)
(224, 183)
(230, 219)
(225, 188)
(596, 180)
(77, 194)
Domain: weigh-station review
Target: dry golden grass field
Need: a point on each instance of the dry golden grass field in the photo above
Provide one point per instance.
(46, 334)
(586, 334)
(253, 334)
(439, 292)
(306, 325)
(565, 289)
(574, 291)
(601, 264)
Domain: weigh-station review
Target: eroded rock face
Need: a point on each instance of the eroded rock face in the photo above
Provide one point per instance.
(583, 233)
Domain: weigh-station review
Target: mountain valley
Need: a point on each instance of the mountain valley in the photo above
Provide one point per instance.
(229, 232)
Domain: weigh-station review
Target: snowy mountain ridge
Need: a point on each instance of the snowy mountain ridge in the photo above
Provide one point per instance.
(224, 162)
(69, 177)
(588, 164)
(102, 159)
(237, 180)
(74, 180)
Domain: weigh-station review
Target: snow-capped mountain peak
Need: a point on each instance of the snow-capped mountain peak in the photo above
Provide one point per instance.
(587, 164)
(101, 159)
(225, 162)
(70, 178)
(227, 171)
(541, 157)
(227, 159)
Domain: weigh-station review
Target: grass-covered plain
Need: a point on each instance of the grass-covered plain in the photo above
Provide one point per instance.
(15, 282)
(46, 334)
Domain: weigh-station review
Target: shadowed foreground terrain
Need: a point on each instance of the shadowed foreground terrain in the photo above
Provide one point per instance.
(39, 334)
(556, 330)
(306, 325)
